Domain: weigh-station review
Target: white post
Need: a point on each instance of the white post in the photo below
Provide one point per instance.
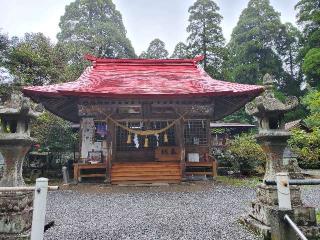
(283, 188)
(39, 208)
(65, 175)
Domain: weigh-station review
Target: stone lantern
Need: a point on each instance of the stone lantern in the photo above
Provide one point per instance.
(272, 136)
(15, 141)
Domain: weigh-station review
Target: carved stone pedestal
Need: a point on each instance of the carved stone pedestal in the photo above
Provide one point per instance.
(274, 144)
(268, 195)
(15, 215)
(264, 206)
(14, 148)
(261, 216)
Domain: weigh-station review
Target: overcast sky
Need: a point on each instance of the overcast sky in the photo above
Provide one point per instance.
(143, 19)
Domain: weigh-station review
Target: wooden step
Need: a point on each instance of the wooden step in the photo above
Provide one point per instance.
(143, 178)
(198, 173)
(199, 164)
(145, 172)
(149, 168)
(145, 163)
(144, 182)
(144, 166)
(123, 174)
(146, 169)
(92, 175)
(176, 168)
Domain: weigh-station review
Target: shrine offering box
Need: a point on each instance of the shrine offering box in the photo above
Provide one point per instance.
(168, 154)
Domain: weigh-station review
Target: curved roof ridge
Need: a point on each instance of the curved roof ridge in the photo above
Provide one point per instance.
(142, 61)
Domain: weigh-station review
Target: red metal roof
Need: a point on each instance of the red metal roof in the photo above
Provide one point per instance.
(144, 77)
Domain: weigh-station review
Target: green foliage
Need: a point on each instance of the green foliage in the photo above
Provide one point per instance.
(247, 154)
(156, 50)
(71, 70)
(93, 27)
(181, 51)
(306, 145)
(261, 44)
(32, 60)
(239, 116)
(311, 66)
(312, 103)
(299, 112)
(6, 89)
(4, 45)
(239, 182)
(54, 133)
(309, 19)
(218, 130)
(252, 42)
(289, 46)
(205, 36)
(5, 76)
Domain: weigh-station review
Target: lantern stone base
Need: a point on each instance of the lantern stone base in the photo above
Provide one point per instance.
(15, 215)
(14, 147)
(264, 207)
(25, 236)
(268, 195)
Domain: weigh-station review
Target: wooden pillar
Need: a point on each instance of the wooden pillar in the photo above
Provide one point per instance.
(180, 142)
(75, 172)
(209, 138)
(214, 168)
(110, 146)
(80, 159)
(210, 144)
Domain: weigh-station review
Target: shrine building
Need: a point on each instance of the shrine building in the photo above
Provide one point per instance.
(144, 120)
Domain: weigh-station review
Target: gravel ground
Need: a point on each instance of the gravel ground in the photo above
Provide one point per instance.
(196, 211)
(311, 196)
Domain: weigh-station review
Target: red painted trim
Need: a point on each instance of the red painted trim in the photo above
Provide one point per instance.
(140, 61)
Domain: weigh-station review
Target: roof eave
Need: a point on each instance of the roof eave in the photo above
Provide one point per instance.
(30, 93)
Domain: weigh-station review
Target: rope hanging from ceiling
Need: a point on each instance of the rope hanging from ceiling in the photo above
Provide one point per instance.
(146, 132)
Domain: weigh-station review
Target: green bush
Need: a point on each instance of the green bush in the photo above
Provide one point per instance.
(247, 155)
(312, 102)
(307, 146)
(54, 133)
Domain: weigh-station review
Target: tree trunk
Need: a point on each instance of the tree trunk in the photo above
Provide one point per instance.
(204, 45)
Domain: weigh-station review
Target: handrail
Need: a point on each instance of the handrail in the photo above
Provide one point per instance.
(295, 227)
(296, 182)
(24, 189)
